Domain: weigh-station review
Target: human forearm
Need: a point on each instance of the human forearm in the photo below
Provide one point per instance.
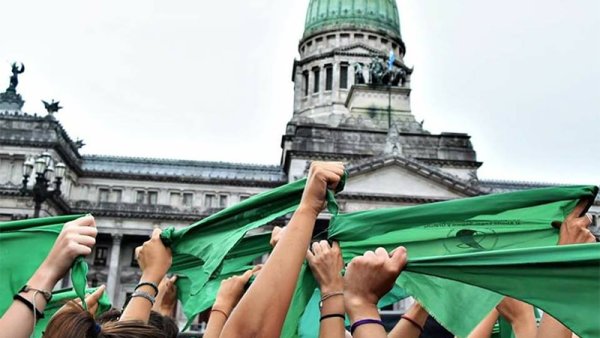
(215, 324)
(486, 326)
(525, 327)
(406, 329)
(139, 308)
(261, 311)
(552, 328)
(20, 313)
(332, 327)
(358, 311)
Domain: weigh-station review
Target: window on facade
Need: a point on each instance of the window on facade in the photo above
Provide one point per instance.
(305, 82)
(140, 197)
(188, 199)
(223, 201)
(102, 195)
(117, 195)
(316, 73)
(328, 77)
(210, 201)
(344, 75)
(152, 197)
(100, 256)
(243, 197)
(174, 198)
(134, 262)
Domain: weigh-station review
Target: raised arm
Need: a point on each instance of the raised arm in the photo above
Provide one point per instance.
(368, 278)
(520, 315)
(326, 264)
(76, 239)
(411, 323)
(573, 230)
(229, 294)
(155, 260)
(263, 308)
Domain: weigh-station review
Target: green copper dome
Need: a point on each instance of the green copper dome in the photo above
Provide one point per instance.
(325, 15)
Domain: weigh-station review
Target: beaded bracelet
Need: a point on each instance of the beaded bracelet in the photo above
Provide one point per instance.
(145, 295)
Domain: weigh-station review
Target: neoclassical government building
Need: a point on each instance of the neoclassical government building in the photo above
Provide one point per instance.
(351, 104)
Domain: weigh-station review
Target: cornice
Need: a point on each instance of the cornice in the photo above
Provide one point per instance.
(344, 51)
(183, 179)
(388, 198)
(450, 163)
(431, 173)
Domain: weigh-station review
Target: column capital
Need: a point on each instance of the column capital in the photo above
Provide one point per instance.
(116, 238)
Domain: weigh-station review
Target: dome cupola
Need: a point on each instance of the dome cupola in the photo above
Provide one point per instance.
(374, 15)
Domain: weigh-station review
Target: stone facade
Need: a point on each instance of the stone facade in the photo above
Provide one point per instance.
(392, 159)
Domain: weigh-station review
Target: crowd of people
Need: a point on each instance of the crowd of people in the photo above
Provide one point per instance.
(347, 291)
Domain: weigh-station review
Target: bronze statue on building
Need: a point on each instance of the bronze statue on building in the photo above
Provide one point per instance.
(14, 79)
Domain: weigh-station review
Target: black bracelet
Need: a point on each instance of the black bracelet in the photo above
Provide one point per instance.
(38, 314)
(413, 322)
(154, 286)
(339, 315)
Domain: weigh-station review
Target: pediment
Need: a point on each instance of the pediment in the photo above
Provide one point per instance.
(398, 176)
(358, 48)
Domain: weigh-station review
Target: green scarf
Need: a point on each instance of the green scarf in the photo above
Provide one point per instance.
(486, 223)
(24, 245)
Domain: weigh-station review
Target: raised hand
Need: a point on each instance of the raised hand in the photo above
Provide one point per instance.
(321, 176)
(326, 264)
(166, 300)
(276, 235)
(372, 275)
(231, 291)
(574, 228)
(154, 258)
(77, 238)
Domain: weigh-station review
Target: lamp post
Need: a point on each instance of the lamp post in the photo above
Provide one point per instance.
(48, 178)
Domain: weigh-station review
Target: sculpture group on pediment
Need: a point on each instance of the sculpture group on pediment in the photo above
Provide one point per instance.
(379, 74)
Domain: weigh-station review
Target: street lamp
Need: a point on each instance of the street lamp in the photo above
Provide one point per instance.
(45, 173)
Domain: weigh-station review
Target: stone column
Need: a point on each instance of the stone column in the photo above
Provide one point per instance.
(113, 268)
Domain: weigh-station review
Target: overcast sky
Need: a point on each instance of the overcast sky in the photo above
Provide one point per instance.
(211, 80)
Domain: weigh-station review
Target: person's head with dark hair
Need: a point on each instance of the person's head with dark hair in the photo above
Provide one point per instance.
(74, 322)
(164, 324)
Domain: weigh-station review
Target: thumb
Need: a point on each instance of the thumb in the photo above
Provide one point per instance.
(398, 258)
(246, 276)
(94, 296)
(156, 233)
